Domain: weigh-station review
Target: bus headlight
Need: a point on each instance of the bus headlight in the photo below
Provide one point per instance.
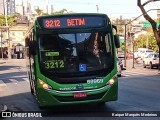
(111, 81)
(44, 85)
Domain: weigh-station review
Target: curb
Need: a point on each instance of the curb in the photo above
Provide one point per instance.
(2, 62)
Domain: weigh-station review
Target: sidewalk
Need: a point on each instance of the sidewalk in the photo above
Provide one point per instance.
(2, 61)
(19, 63)
(129, 64)
(138, 66)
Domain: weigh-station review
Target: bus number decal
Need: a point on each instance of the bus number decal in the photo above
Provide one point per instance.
(57, 23)
(47, 24)
(54, 64)
(94, 81)
(52, 23)
(47, 65)
(51, 64)
(61, 64)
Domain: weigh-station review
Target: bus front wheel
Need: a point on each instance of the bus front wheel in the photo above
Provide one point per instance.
(101, 103)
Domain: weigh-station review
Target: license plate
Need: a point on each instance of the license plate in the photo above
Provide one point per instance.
(80, 95)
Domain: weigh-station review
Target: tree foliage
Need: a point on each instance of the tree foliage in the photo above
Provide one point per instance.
(39, 11)
(60, 12)
(147, 40)
(147, 17)
(10, 18)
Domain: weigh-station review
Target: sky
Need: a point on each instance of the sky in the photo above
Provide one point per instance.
(113, 8)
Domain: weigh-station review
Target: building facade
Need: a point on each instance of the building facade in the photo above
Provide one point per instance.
(7, 6)
(10, 7)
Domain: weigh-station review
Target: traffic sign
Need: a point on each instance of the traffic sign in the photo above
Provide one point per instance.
(148, 24)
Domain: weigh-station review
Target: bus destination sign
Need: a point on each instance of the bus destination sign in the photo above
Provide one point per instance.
(73, 22)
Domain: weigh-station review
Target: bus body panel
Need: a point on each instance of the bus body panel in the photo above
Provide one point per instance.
(48, 97)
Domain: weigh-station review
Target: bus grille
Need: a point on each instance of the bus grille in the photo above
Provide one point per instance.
(71, 98)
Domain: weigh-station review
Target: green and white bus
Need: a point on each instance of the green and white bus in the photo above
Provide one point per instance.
(71, 59)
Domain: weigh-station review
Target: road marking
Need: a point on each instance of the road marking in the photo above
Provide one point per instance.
(14, 81)
(26, 79)
(14, 77)
(133, 73)
(2, 84)
(139, 73)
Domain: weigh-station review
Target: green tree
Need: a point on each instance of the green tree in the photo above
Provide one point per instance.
(2, 20)
(60, 12)
(45, 14)
(147, 40)
(10, 18)
(39, 11)
(122, 46)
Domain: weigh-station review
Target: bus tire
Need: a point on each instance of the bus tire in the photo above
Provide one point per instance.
(42, 107)
(101, 103)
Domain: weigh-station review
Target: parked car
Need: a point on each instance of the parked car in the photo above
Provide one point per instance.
(152, 60)
(144, 52)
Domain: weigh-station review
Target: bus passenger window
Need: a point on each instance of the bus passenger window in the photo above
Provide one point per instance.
(49, 43)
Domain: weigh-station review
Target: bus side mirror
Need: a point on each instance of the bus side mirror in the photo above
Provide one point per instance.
(117, 41)
(32, 47)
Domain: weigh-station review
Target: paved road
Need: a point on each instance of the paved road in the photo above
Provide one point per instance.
(138, 91)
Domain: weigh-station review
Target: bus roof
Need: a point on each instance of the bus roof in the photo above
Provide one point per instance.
(73, 14)
(72, 21)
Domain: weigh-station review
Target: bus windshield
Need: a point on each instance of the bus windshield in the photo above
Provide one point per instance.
(75, 52)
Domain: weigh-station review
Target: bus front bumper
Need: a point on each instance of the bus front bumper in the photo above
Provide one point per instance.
(54, 98)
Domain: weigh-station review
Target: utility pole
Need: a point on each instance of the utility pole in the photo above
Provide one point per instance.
(1, 44)
(7, 28)
(97, 8)
(133, 45)
(47, 6)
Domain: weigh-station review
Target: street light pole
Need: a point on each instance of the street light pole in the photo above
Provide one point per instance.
(125, 50)
(97, 8)
(133, 42)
